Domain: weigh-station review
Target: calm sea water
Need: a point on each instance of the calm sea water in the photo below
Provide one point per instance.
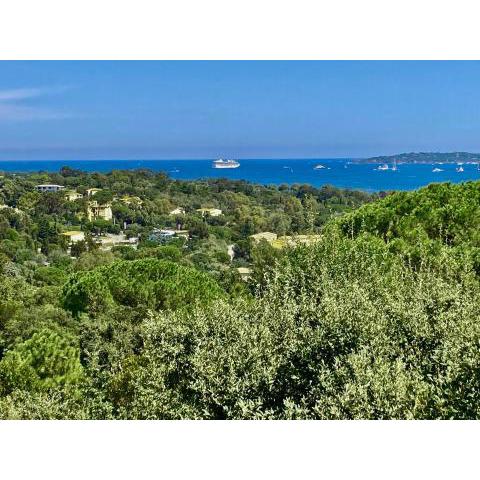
(338, 172)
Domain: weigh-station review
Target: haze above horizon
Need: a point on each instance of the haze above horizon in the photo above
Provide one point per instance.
(261, 109)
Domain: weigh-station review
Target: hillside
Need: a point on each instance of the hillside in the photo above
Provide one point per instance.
(425, 157)
(377, 319)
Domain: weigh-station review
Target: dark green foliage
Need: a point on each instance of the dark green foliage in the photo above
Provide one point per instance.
(445, 212)
(44, 361)
(157, 284)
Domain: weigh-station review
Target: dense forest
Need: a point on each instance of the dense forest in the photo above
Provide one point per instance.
(217, 299)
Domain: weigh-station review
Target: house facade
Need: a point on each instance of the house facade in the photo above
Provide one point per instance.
(95, 210)
(49, 188)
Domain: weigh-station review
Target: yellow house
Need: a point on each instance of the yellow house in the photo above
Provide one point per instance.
(213, 212)
(95, 211)
(92, 191)
(72, 196)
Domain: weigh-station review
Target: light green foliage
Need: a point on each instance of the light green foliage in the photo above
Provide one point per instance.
(344, 330)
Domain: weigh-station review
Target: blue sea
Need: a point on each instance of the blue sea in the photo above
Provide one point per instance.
(342, 173)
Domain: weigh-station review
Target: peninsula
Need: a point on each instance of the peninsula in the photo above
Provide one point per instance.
(425, 157)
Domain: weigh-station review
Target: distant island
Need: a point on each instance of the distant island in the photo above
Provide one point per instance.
(425, 157)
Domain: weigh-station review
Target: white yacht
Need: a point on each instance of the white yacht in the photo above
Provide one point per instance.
(437, 170)
(459, 169)
(318, 167)
(382, 167)
(221, 163)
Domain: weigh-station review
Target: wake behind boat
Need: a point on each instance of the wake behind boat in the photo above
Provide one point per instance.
(220, 163)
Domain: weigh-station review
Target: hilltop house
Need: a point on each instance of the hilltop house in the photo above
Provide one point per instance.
(164, 235)
(49, 188)
(110, 240)
(95, 210)
(92, 191)
(213, 212)
(177, 211)
(268, 236)
(294, 240)
(72, 195)
(74, 236)
(244, 272)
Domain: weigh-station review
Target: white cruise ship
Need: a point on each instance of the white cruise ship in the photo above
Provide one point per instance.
(220, 163)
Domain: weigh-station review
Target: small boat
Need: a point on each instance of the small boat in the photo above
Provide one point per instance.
(318, 167)
(382, 167)
(459, 169)
(394, 166)
(437, 170)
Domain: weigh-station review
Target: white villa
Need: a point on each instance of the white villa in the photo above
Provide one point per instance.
(72, 196)
(49, 188)
(74, 236)
(177, 211)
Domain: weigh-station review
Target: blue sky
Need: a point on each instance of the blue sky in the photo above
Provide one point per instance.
(147, 110)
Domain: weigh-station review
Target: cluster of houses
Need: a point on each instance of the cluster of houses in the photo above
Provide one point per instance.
(104, 211)
(94, 209)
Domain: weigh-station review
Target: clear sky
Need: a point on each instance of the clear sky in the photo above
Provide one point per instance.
(147, 110)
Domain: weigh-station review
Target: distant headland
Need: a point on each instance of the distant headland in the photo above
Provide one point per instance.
(425, 157)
